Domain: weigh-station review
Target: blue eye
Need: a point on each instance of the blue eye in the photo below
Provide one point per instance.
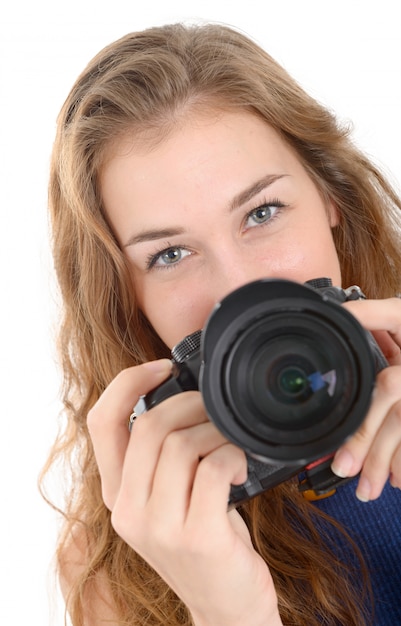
(167, 257)
(171, 256)
(263, 214)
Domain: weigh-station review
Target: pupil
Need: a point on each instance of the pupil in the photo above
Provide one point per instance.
(260, 214)
(171, 255)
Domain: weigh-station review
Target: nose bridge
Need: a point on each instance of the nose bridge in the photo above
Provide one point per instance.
(233, 268)
(233, 278)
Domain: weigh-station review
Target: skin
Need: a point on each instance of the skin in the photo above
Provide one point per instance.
(188, 185)
(180, 213)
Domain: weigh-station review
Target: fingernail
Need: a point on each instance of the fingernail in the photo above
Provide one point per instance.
(342, 464)
(158, 367)
(363, 489)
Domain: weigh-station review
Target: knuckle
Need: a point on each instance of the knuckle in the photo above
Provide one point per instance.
(376, 465)
(108, 498)
(190, 402)
(141, 425)
(388, 381)
(93, 418)
(362, 437)
(125, 523)
(144, 530)
(119, 522)
(179, 442)
(212, 466)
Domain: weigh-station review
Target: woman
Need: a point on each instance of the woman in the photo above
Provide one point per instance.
(186, 164)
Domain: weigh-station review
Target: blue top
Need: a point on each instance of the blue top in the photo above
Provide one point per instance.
(376, 528)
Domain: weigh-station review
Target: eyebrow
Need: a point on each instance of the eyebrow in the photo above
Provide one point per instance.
(238, 200)
(253, 189)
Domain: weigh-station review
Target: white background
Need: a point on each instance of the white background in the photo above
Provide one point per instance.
(347, 53)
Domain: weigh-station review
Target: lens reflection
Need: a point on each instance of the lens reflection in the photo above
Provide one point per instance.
(293, 381)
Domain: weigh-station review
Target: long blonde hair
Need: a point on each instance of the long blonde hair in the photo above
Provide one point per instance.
(142, 83)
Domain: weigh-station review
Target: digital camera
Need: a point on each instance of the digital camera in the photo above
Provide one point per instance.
(286, 373)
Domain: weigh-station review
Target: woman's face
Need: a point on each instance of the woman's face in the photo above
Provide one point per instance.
(219, 203)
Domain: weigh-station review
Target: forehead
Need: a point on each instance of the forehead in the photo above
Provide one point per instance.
(148, 135)
(205, 160)
(196, 138)
(147, 138)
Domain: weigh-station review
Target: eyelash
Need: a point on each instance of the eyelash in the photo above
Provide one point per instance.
(275, 202)
(154, 257)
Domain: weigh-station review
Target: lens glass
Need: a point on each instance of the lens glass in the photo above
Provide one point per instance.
(288, 377)
(292, 382)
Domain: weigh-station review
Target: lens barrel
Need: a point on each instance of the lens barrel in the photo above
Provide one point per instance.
(287, 373)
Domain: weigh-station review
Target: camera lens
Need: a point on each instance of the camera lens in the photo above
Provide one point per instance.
(286, 374)
(281, 378)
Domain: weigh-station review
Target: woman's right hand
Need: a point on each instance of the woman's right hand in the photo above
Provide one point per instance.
(167, 486)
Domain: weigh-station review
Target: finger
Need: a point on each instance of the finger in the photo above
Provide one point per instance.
(146, 443)
(108, 420)
(350, 457)
(216, 473)
(381, 461)
(391, 350)
(181, 454)
(381, 315)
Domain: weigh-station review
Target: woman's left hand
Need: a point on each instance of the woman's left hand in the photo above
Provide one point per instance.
(375, 449)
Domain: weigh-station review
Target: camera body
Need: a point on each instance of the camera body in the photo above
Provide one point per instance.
(285, 372)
